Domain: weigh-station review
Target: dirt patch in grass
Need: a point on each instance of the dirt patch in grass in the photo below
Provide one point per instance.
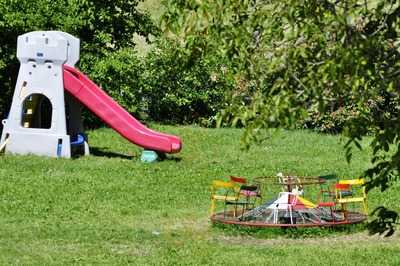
(131, 250)
(338, 241)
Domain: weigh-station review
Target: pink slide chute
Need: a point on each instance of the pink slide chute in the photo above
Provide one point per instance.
(97, 101)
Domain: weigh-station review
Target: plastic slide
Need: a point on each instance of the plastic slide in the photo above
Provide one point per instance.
(97, 101)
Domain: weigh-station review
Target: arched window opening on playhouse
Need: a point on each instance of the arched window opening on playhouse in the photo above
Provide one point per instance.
(37, 112)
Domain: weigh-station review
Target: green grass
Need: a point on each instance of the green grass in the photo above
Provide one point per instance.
(109, 208)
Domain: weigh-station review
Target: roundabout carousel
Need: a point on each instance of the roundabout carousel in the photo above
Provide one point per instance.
(288, 201)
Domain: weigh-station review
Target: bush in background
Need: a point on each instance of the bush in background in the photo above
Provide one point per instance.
(181, 89)
(119, 74)
(166, 85)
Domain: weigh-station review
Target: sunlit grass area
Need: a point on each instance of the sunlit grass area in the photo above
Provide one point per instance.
(109, 208)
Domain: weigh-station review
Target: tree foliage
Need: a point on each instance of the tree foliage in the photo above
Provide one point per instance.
(293, 58)
(165, 85)
(181, 90)
(103, 26)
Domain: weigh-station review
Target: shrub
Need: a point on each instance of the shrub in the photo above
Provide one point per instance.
(119, 74)
(331, 122)
(165, 85)
(180, 89)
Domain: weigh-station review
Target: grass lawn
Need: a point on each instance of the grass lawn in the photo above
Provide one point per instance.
(109, 208)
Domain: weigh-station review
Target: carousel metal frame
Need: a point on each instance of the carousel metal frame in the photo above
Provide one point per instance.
(290, 208)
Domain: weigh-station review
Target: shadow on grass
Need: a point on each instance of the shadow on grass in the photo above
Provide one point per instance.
(102, 152)
(165, 157)
(298, 232)
(174, 159)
